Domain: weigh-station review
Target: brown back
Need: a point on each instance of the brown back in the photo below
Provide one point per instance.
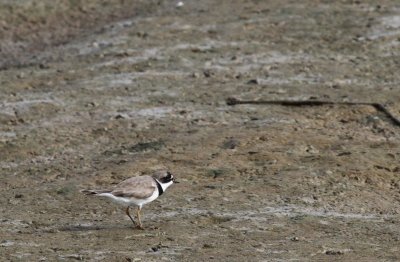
(137, 187)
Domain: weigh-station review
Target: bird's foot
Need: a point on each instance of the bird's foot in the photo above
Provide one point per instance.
(140, 227)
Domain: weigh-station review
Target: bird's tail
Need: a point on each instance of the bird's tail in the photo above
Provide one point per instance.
(94, 192)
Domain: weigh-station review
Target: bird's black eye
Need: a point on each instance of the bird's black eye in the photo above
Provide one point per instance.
(169, 175)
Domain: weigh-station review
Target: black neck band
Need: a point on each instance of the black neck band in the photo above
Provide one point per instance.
(159, 187)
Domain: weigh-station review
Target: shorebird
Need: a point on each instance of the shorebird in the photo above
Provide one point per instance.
(137, 191)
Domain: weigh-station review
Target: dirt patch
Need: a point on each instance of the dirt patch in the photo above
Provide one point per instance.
(117, 89)
(29, 27)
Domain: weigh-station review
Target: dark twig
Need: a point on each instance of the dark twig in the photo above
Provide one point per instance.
(380, 107)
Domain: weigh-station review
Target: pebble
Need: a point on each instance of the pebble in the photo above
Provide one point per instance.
(253, 82)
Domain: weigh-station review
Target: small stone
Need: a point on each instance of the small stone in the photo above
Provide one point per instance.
(253, 82)
(311, 149)
(195, 75)
(208, 73)
(44, 66)
(20, 75)
(142, 34)
(230, 143)
(219, 172)
(208, 246)
(120, 116)
(91, 104)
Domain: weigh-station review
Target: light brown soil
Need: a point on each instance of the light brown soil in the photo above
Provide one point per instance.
(112, 89)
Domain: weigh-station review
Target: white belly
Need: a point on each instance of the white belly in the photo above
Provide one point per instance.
(130, 201)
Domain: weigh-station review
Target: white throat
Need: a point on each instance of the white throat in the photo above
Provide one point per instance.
(165, 185)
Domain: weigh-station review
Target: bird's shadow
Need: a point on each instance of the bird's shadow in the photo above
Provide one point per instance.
(82, 228)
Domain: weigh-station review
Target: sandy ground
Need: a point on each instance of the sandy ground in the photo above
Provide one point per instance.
(93, 92)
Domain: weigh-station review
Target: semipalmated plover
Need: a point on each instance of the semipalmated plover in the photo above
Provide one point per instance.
(137, 191)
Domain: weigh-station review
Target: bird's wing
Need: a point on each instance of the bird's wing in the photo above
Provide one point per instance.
(137, 187)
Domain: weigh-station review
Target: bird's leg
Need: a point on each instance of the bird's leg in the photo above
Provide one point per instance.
(129, 215)
(140, 226)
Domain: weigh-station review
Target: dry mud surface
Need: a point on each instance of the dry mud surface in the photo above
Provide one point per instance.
(92, 92)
